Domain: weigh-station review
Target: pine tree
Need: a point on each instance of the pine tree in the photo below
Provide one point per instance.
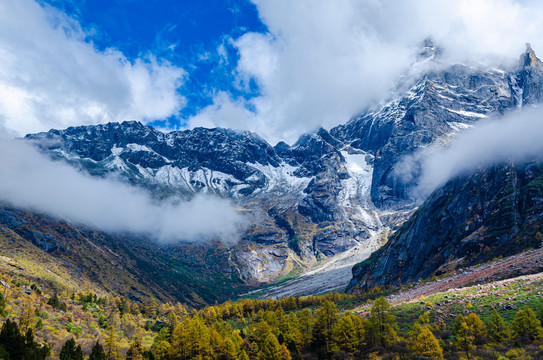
(526, 325)
(78, 353)
(271, 349)
(498, 331)
(424, 343)
(162, 349)
(349, 333)
(260, 332)
(290, 329)
(305, 320)
(462, 337)
(2, 304)
(243, 355)
(97, 352)
(326, 318)
(67, 352)
(54, 301)
(477, 328)
(190, 339)
(110, 340)
(228, 350)
(382, 324)
(134, 352)
(19, 346)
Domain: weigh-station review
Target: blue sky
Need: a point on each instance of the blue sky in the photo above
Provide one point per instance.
(185, 33)
(276, 67)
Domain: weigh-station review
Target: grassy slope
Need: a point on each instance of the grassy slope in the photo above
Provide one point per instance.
(67, 256)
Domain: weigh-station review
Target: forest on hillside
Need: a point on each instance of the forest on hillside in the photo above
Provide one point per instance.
(41, 325)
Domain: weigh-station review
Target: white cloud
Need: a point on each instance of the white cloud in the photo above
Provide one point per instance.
(50, 77)
(31, 180)
(515, 138)
(323, 61)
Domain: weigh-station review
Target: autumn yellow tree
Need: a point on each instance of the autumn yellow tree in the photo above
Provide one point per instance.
(349, 333)
(526, 326)
(423, 342)
(323, 328)
(498, 331)
(462, 336)
(272, 350)
(382, 324)
(477, 328)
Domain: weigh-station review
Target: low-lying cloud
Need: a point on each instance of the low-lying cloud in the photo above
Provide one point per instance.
(517, 137)
(32, 181)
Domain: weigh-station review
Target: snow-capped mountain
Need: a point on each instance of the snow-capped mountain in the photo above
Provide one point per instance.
(331, 190)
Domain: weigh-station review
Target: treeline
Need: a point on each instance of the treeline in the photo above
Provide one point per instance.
(312, 328)
(87, 326)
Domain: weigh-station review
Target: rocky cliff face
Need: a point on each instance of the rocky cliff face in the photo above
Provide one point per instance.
(444, 101)
(328, 192)
(298, 197)
(470, 220)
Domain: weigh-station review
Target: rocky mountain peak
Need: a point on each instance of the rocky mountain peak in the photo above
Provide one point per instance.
(527, 83)
(529, 58)
(428, 50)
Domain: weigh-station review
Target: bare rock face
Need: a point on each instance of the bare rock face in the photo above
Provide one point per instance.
(494, 212)
(470, 220)
(438, 105)
(292, 194)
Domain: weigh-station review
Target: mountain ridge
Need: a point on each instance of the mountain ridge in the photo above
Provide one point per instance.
(330, 191)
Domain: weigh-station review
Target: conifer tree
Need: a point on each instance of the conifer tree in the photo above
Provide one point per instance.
(67, 352)
(477, 328)
(228, 350)
(382, 324)
(462, 337)
(162, 350)
(54, 301)
(260, 332)
(190, 340)
(349, 333)
(78, 354)
(18, 346)
(424, 343)
(243, 355)
(498, 331)
(326, 318)
(134, 352)
(305, 320)
(2, 304)
(526, 325)
(111, 343)
(271, 349)
(97, 352)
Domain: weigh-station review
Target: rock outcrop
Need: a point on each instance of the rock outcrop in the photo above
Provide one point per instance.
(470, 220)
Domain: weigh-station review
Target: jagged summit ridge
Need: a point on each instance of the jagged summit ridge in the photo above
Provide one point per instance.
(292, 194)
(441, 103)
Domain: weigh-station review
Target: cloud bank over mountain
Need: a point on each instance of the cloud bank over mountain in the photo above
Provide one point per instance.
(514, 138)
(319, 63)
(32, 181)
(323, 61)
